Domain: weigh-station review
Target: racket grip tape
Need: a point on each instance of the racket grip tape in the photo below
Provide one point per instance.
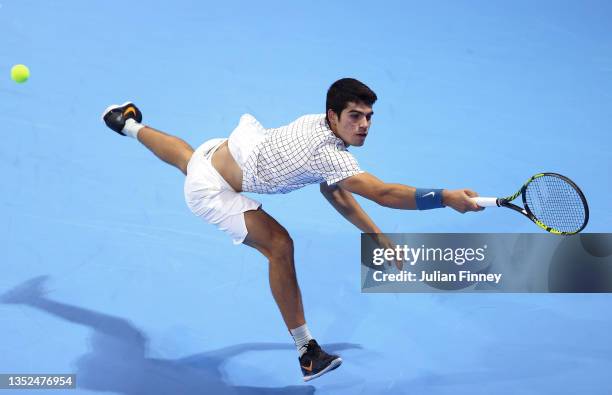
(485, 201)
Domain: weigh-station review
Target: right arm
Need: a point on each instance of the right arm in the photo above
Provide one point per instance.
(403, 196)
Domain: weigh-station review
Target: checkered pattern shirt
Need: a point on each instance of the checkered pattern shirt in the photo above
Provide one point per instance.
(290, 157)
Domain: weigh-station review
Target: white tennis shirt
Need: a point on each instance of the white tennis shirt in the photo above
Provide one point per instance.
(281, 160)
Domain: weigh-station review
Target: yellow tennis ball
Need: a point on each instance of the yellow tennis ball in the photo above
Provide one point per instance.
(20, 73)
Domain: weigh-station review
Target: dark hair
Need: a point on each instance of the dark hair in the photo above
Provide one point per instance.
(348, 90)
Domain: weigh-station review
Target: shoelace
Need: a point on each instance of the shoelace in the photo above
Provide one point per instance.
(316, 350)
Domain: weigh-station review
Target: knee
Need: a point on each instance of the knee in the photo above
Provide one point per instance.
(281, 246)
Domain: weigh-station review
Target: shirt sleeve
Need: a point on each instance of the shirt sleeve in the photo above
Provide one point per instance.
(334, 164)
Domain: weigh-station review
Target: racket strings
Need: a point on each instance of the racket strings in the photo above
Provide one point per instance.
(555, 203)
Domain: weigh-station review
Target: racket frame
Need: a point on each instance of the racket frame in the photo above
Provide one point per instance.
(526, 211)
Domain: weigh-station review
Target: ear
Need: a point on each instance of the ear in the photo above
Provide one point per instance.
(332, 117)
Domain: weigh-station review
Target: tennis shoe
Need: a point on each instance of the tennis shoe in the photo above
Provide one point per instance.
(315, 362)
(115, 116)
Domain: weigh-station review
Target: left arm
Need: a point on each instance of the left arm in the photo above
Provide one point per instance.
(344, 202)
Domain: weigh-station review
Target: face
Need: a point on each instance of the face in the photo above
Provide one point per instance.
(353, 123)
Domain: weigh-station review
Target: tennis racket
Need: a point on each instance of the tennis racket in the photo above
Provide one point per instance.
(550, 200)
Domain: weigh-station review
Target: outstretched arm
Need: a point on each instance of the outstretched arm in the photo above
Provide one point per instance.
(402, 196)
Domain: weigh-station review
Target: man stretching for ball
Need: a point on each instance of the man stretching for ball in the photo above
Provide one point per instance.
(311, 149)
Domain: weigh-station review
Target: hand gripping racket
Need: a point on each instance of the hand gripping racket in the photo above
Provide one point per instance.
(552, 201)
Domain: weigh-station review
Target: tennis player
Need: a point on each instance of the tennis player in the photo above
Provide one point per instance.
(311, 149)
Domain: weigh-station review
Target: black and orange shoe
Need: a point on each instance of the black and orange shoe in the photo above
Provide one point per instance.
(115, 116)
(315, 362)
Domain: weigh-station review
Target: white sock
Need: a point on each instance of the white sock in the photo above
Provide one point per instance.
(301, 336)
(132, 128)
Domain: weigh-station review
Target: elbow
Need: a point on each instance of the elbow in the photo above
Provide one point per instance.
(382, 197)
(385, 203)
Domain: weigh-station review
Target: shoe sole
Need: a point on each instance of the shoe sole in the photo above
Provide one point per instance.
(111, 108)
(333, 365)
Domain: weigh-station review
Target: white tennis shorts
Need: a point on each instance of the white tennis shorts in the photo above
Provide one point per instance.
(211, 198)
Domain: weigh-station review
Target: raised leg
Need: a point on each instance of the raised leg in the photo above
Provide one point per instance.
(168, 148)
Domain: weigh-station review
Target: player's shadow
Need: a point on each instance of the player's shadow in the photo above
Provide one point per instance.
(117, 360)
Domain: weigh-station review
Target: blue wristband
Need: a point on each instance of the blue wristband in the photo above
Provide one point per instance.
(427, 199)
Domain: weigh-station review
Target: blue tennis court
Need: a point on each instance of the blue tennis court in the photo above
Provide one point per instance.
(108, 275)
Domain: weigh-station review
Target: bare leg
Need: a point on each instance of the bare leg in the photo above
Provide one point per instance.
(168, 148)
(271, 239)
(264, 233)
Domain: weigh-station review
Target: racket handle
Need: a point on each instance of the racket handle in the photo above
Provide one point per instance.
(485, 201)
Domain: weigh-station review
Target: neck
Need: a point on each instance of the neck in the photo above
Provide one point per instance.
(334, 131)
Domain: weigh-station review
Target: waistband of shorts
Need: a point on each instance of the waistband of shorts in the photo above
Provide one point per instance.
(209, 147)
(205, 152)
